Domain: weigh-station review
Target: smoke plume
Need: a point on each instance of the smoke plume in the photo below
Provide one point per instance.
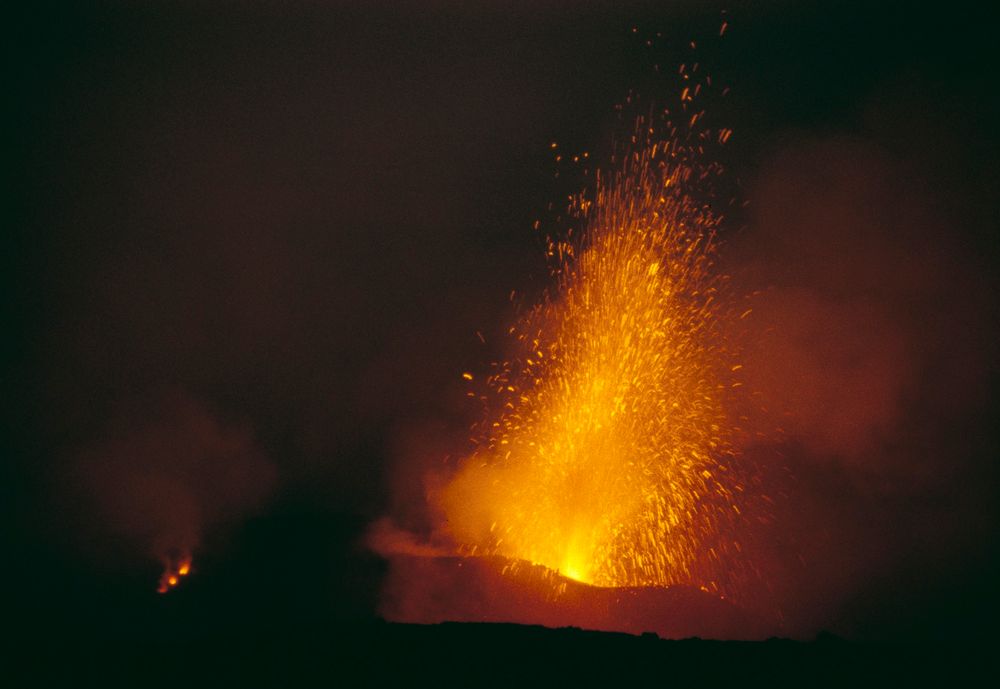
(167, 474)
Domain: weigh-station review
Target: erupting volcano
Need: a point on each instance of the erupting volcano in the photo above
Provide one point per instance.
(607, 453)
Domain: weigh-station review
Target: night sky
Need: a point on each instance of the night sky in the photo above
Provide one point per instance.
(248, 247)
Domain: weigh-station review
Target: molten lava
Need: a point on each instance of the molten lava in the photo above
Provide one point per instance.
(607, 450)
(174, 570)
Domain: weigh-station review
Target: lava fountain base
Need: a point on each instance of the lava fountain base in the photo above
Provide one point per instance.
(433, 589)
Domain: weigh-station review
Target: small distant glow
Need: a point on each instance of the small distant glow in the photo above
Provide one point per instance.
(174, 569)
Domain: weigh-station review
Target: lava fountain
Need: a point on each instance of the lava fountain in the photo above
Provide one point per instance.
(606, 453)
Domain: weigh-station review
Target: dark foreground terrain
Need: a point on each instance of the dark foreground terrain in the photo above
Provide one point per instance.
(468, 654)
(295, 606)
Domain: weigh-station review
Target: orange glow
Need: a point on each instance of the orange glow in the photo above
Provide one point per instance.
(174, 570)
(606, 452)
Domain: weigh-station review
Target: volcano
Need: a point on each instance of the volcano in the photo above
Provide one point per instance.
(433, 589)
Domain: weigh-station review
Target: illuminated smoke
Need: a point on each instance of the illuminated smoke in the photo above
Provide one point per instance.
(167, 475)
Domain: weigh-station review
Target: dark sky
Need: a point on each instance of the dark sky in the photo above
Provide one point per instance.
(249, 245)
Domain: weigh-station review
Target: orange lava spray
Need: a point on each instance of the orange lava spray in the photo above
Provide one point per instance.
(607, 451)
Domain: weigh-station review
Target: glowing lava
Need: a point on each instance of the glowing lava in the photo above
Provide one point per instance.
(174, 571)
(606, 452)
